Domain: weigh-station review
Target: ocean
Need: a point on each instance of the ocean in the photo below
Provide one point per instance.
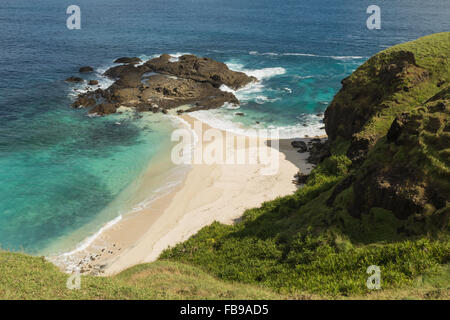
(64, 175)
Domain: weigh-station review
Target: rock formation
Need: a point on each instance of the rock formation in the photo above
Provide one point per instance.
(391, 119)
(161, 84)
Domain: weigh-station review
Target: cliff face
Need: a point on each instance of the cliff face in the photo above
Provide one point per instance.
(408, 171)
(392, 117)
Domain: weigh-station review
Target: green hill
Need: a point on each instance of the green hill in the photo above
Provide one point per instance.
(380, 198)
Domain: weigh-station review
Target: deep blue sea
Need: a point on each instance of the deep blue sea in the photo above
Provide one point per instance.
(61, 172)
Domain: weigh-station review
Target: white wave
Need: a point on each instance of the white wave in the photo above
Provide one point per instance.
(250, 92)
(89, 240)
(174, 57)
(103, 82)
(300, 54)
(311, 125)
(256, 53)
(345, 57)
(266, 73)
(263, 99)
(303, 77)
(231, 106)
(177, 55)
(253, 91)
(260, 74)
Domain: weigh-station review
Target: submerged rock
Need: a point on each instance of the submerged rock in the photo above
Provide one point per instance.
(86, 69)
(74, 79)
(104, 108)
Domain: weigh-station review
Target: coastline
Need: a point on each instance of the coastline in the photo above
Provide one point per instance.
(208, 193)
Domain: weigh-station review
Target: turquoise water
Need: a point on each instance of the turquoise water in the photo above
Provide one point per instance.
(61, 171)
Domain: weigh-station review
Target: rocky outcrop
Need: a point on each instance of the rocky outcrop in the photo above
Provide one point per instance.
(200, 69)
(86, 69)
(318, 151)
(391, 118)
(128, 60)
(161, 84)
(366, 91)
(300, 145)
(410, 176)
(74, 79)
(374, 89)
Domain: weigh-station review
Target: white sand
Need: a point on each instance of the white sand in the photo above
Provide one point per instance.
(216, 192)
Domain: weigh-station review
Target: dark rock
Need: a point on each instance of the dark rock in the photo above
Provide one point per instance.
(358, 149)
(387, 191)
(123, 70)
(318, 152)
(341, 186)
(74, 79)
(396, 128)
(200, 69)
(84, 101)
(300, 178)
(86, 69)
(301, 145)
(93, 82)
(190, 81)
(128, 60)
(103, 109)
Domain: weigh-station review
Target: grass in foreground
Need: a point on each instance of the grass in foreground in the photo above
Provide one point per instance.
(27, 277)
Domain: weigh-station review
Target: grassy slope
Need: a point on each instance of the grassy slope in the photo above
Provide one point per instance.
(297, 244)
(431, 53)
(305, 242)
(370, 94)
(26, 277)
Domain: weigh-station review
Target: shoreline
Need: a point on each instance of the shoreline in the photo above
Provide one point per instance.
(207, 193)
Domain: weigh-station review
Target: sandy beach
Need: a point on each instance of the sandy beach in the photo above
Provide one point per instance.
(209, 192)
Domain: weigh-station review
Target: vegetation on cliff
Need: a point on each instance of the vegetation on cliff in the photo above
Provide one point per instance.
(381, 198)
